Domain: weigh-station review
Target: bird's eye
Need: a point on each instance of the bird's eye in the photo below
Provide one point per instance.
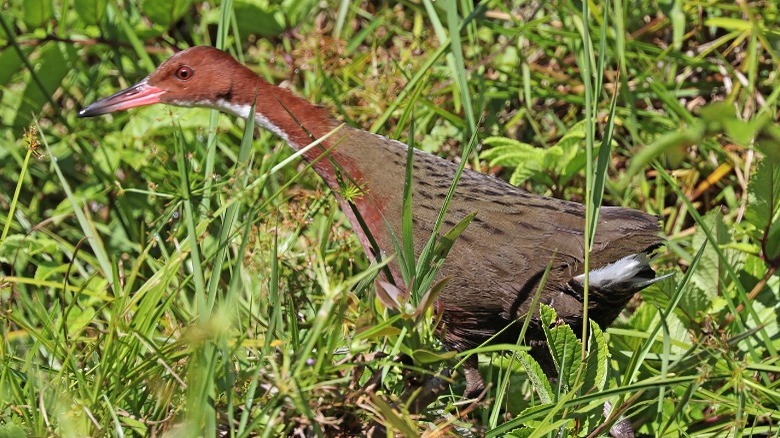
(184, 73)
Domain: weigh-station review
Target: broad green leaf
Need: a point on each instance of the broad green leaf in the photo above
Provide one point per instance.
(11, 63)
(768, 142)
(260, 17)
(51, 69)
(763, 210)
(566, 352)
(11, 430)
(37, 12)
(90, 11)
(165, 13)
(563, 343)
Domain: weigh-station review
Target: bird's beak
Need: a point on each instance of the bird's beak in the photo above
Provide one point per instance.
(139, 94)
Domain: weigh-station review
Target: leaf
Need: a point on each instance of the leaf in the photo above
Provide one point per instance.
(165, 13)
(426, 357)
(439, 135)
(566, 352)
(390, 295)
(521, 432)
(597, 361)
(51, 70)
(523, 173)
(565, 159)
(773, 242)
(537, 377)
(90, 11)
(391, 417)
(743, 132)
(261, 17)
(37, 12)
(763, 210)
(563, 343)
(78, 319)
(729, 23)
(768, 141)
(11, 63)
(11, 430)
(709, 278)
(510, 153)
(429, 299)
(446, 242)
(548, 316)
(379, 331)
(666, 143)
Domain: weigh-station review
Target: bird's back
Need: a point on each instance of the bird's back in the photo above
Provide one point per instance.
(495, 266)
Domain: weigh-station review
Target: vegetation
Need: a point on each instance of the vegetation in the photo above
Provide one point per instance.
(165, 270)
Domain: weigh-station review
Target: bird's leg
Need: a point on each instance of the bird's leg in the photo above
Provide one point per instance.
(475, 384)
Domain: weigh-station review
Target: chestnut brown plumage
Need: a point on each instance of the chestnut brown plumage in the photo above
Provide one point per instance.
(497, 263)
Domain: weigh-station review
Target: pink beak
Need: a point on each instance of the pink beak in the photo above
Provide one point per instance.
(139, 94)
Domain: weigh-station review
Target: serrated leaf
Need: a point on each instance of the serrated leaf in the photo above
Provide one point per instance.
(574, 136)
(510, 153)
(548, 316)
(553, 157)
(566, 352)
(521, 432)
(598, 360)
(537, 377)
(521, 174)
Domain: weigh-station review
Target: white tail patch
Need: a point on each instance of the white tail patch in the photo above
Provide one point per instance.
(625, 271)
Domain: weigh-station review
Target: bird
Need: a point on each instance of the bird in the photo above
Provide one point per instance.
(495, 265)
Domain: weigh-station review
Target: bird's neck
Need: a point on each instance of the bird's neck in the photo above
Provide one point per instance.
(294, 119)
(298, 123)
(348, 160)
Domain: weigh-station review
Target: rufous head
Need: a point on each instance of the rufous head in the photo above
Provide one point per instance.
(198, 76)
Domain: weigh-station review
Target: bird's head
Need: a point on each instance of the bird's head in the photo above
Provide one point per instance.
(199, 76)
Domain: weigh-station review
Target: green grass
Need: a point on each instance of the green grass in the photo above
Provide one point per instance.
(168, 271)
